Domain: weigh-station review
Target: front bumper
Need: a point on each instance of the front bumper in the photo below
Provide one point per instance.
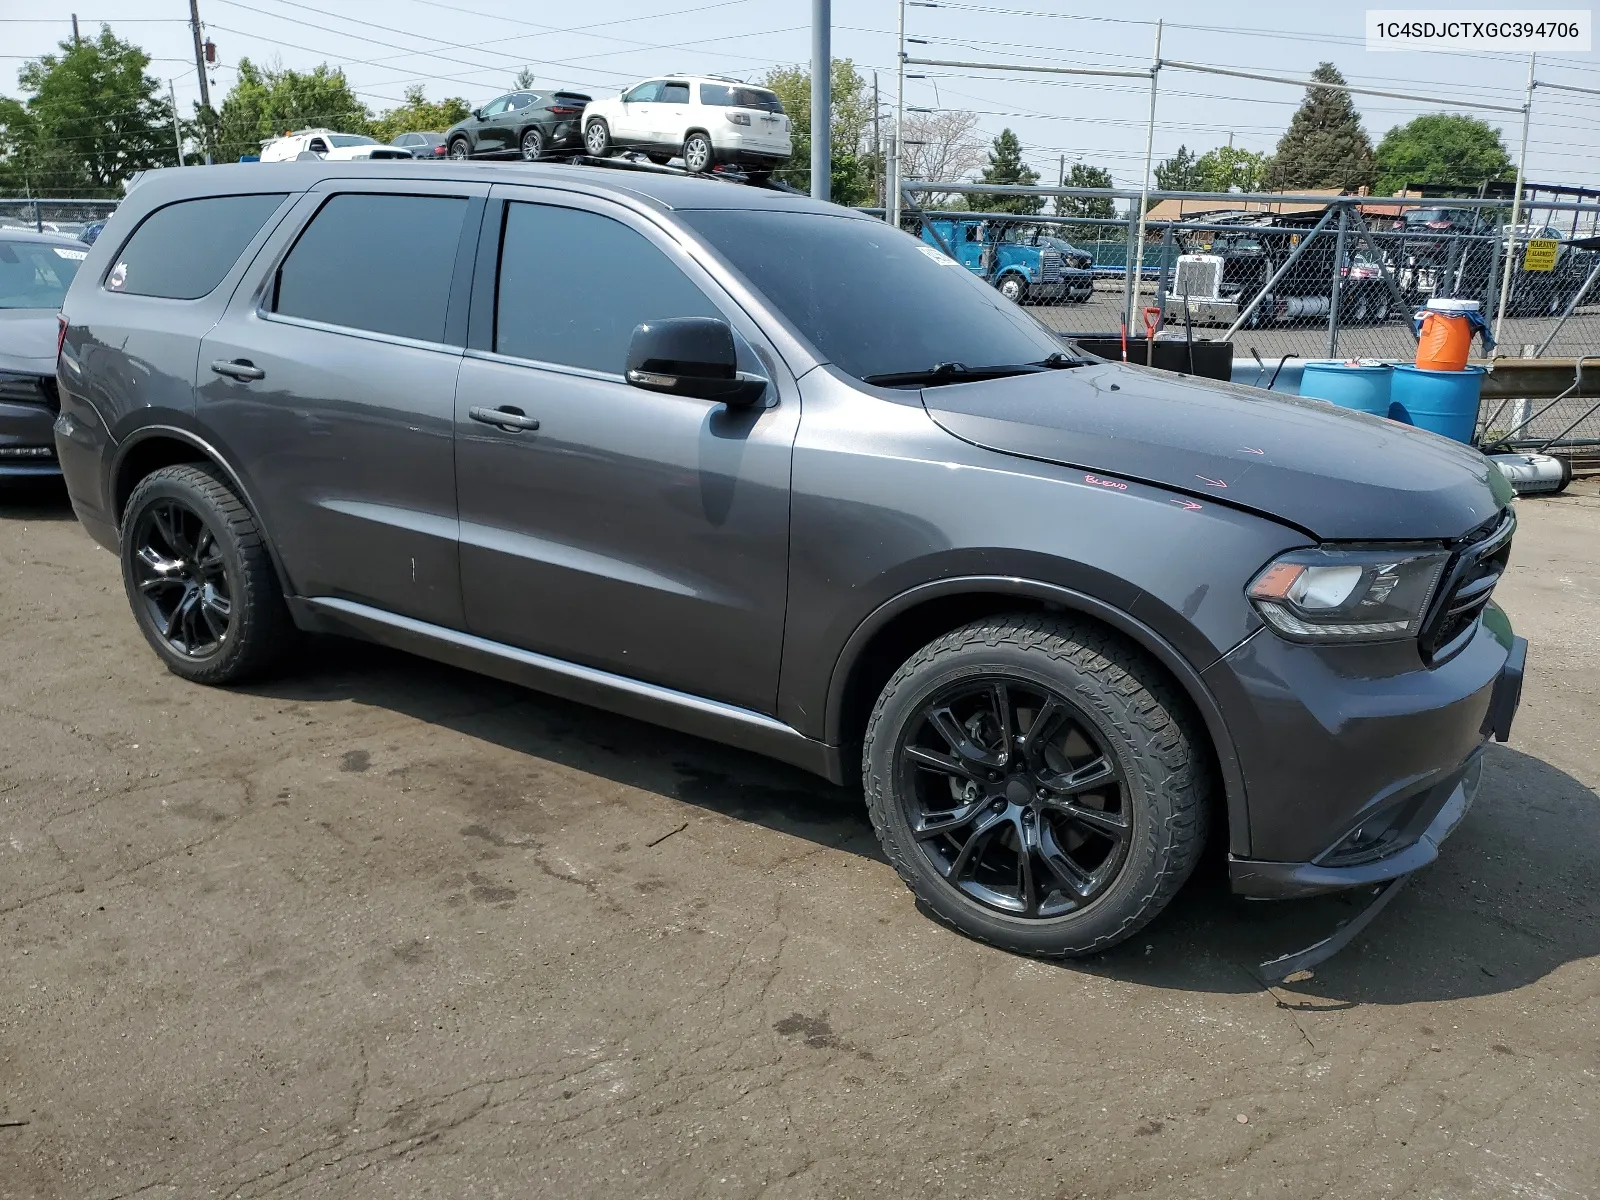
(27, 442)
(1358, 763)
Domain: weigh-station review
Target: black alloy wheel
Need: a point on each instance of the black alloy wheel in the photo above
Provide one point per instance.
(182, 579)
(1013, 797)
(531, 145)
(459, 149)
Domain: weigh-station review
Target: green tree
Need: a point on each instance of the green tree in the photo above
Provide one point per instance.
(1085, 176)
(1226, 167)
(91, 119)
(1325, 145)
(419, 114)
(849, 120)
(267, 102)
(1441, 148)
(1006, 167)
(1178, 173)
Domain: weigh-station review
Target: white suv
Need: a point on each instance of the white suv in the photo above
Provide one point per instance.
(703, 119)
(325, 143)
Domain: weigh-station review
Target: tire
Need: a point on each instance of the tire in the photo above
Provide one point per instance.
(760, 176)
(1142, 747)
(1013, 287)
(698, 154)
(660, 160)
(199, 579)
(460, 149)
(597, 139)
(1360, 307)
(531, 145)
(1380, 306)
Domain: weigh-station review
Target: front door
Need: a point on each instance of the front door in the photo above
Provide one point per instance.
(330, 382)
(642, 534)
(491, 131)
(636, 114)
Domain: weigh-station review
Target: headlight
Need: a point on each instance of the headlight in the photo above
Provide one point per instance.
(1347, 595)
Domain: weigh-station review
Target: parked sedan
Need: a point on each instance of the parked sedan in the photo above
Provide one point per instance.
(527, 124)
(421, 145)
(35, 269)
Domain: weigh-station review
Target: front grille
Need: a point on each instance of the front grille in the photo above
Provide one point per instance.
(52, 396)
(28, 389)
(1469, 580)
(1197, 279)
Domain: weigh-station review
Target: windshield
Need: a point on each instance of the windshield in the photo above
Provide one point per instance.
(36, 274)
(872, 300)
(350, 139)
(733, 96)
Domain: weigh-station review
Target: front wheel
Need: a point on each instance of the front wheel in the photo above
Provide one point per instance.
(459, 149)
(1038, 784)
(199, 579)
(531, 146)
(1013, 288)
(597, 139)
(697, 153)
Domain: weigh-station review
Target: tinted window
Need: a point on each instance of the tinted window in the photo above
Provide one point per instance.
(182, 251)
(871, 299)
(351, 139)
(496, 107)
(574, 284)
(375, 262)
(522, 100)
(36, 274)
(674, 93)
(725, 95)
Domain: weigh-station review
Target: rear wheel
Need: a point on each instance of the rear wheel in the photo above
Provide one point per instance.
(199, 578)
(660, 160)
(532, 145)
(1037, 783)
(597, 139)
(459, 149)
(698, 156)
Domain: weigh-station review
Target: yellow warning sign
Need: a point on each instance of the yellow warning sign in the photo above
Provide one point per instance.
(1540, 255)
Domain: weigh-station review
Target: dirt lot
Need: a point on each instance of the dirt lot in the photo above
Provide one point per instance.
(387, 929)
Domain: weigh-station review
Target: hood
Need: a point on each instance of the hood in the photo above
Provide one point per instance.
(28, 340)
(1338, 475)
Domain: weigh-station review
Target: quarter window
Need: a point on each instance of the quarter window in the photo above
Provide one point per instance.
(182, 251)
(574, 284)
(376, 262)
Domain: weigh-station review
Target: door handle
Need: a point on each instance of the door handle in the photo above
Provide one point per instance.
(511, 419)
(241, 369)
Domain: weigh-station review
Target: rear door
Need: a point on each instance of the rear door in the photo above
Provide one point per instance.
(330, 382)
(639, 533)
(671, 118)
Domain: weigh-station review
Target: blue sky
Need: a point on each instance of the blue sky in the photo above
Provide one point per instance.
(473, 47)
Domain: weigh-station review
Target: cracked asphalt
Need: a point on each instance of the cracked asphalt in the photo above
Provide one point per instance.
(383, 928)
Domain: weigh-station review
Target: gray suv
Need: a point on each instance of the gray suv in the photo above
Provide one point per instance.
(767, 471)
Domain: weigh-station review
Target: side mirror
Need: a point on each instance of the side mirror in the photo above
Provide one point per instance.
(477, 114)
(691, 356)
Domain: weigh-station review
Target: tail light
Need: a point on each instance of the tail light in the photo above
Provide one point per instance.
(737, 118)
(439, 150)
(61, 335)
(563, 110)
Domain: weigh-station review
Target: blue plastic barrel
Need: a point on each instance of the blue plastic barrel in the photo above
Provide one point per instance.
(1445, 402)
(1364, 387)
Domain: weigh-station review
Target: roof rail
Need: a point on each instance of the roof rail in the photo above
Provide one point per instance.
(722, 174)
(718, 78)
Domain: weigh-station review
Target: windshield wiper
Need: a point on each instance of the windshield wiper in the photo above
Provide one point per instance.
(955, 372)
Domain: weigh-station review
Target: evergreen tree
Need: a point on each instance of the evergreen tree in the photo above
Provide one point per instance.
(1084, 176)
(1006, 167)
(1178, 173)
(523, 80)
(1325, 145)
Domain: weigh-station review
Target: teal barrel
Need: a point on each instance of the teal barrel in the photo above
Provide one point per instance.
(1364, 387)
(1445, 402)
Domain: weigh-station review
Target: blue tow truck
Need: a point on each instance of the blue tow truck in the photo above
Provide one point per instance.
(1024, 261)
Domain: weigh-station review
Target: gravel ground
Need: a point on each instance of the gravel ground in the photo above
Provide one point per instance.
(386, 929)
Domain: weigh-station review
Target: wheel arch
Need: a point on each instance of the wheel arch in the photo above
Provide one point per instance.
(155, 446)
(900, 626)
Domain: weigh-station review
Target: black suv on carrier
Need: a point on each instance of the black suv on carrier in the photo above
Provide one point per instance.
(768, 471)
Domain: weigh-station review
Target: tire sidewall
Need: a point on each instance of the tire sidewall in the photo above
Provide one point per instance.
(1105, 919)
(150, 491)
(522, 145)
(463, 145)
(710, 156)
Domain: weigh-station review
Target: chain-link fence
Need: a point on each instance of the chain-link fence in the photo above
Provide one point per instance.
(46, 215)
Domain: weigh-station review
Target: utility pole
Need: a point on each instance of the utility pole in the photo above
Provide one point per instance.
(177, 138)
(1135, 257)
(877, 153)
(199, 65)
(76, 40)
(899, 122)
(821, 97)
(1516, 207)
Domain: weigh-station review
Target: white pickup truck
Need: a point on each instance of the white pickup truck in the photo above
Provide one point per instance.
(325, 143)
